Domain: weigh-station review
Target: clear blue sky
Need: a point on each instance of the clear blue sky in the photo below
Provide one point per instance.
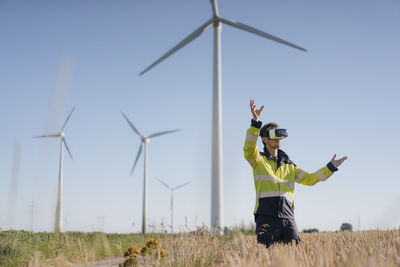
(340, 97)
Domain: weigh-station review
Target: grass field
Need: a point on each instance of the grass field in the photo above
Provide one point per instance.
(367, 248)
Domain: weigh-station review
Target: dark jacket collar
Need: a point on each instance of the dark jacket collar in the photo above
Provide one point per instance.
(281, 154)
(282, 158)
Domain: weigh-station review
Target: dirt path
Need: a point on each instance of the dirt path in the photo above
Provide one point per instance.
(104, 263)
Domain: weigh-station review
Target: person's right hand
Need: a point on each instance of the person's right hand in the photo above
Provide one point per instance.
(256, 112)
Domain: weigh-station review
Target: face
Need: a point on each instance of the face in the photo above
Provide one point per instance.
(274, 144)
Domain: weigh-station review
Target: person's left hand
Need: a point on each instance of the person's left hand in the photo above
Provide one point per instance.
(337, 162)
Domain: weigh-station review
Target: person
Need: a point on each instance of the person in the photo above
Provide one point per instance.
(275, 175)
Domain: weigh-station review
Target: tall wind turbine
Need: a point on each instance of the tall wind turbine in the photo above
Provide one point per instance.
(216, 161)
(145, 142)
(61, 135)
(172, 200)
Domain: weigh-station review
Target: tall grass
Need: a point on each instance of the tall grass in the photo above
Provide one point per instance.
(347, 249)
(19, 248)
(200, 248)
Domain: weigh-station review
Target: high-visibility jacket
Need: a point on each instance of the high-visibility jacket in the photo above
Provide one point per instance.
(275, 177)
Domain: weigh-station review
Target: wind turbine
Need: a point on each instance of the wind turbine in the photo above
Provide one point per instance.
(145, 142)
(216, 161)
(172, 199)
(13, 193)
(61, 135)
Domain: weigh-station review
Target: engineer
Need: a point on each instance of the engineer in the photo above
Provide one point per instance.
(274, 178)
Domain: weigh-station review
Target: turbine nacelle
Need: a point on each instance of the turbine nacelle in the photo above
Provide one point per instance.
(60, 134)
(145, 139)
(172, 189)
(216, 20)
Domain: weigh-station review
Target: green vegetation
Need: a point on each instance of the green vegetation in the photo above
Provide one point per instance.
(346, 227)
(19, 248)
(310, 231)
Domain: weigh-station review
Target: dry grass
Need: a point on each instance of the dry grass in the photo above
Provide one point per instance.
(368, 248)
(371, 248)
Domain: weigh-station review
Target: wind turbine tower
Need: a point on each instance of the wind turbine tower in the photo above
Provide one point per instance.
(145, 142)
(172, 199)
(63, 142)
(216, 160)
(12, 195)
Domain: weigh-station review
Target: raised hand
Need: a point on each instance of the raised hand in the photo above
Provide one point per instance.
(256, 112)
(337, 162)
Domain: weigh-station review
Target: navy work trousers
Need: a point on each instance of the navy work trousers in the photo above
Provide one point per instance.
(270, 230)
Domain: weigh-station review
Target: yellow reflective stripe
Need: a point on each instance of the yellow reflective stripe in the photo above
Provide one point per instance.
(252, 138)
(275, 194)
(272, 179)
(300, 176)
(321, 175)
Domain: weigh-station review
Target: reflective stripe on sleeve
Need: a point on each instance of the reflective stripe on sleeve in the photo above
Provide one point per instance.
(321, 175)
(252, 138)
(253, 161)
(272, 179)
(300, 176)
(275, 194)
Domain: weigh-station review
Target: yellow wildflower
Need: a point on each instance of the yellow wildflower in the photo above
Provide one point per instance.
(144, 251)
(152, 243)
(132, 250)
(164, 254)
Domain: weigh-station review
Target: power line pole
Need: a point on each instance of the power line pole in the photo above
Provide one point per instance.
(100, 222)
(32, 210)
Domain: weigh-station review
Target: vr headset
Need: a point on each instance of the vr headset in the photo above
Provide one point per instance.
(277, 133)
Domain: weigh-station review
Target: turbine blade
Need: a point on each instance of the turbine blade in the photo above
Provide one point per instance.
(164, 183)
(132, 126)
(250, 29)
(162, 133)
(60, 93)
(137, 158)
(65, 123)
(47, 135)
(182, 185)
(214, 7)
(184, 42)
(66, 146)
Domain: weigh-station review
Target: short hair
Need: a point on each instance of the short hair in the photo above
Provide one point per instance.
(264, 130)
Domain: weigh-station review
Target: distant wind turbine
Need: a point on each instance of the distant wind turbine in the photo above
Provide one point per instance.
(13, 193)
(145, 141)
(172, 199)
(61, 135)
(217, 171)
